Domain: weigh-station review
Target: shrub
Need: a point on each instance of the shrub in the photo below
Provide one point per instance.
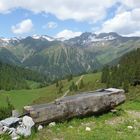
(6, 111)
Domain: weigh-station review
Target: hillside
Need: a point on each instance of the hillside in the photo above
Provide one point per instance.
(125, 73)
(120, 124)
(57, 58)
(49, 93)
(14, 77)
(106, 126)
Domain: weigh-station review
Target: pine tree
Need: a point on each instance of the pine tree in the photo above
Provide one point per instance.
(126, 86)
(57, 84)
(81, 84)
(70, 77)
(105, 74)
(73, 87)
(60, 87)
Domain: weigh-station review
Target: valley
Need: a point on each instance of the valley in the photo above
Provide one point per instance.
(69, 70)
(117, 123)
(56, 58)
(52, 73)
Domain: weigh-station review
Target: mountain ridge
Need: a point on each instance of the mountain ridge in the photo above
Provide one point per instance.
(57, 58)
(50, 38)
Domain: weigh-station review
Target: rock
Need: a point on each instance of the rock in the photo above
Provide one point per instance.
(113, 110)
(135, 121)
(15, 113)
(25, 128)
(88, 129)
(70, 126)
(52, 124)
(130, 127)
(10, 121)
(28, 121)
(1, 132)
(40, 127)
(11, 130)
(1, 129)
(23, 131)
(14, 136)
(5, 128)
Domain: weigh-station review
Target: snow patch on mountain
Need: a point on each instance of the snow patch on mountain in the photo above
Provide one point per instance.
(43, 37)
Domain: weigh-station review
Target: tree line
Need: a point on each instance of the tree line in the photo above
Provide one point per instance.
(14, 77)
(125, 73)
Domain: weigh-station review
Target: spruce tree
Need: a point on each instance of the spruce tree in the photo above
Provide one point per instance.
(81, 84)
(105, 74)
(126, 86)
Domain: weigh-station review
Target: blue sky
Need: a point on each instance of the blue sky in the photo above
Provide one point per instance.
(40, 23)
(68, 18)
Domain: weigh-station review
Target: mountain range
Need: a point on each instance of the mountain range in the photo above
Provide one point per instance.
(58, 57)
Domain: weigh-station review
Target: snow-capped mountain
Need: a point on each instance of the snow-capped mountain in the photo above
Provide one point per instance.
(88, 38)
(43, 37)
(58, 57)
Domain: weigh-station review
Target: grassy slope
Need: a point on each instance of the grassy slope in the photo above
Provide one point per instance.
(105, 127)
(20, 98)
(110, 126)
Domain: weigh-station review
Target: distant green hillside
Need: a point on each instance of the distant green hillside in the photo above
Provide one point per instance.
(56, 58)
(14, 77)
(125, 73)
(104, 127)
(49, 93)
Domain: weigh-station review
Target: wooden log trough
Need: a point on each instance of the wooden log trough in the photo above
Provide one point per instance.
(79, 105)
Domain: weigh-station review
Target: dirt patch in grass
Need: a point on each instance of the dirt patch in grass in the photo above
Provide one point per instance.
(114, 121)
(134, 114)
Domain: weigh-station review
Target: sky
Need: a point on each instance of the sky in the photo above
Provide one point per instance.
(68, 18)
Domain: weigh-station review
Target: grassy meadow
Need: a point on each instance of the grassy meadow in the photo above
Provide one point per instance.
(20, 98)
(109, 126)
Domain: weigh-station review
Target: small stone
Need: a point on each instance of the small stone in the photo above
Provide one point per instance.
(130, 127)
(88, 129)
(70, 126)
(14, 136)
(28, 121)
(11, 130)
(113, 110)
(55, 139)
(15, 113)
(135, 120)
(23, 131)
(40, 127)
(52, 124)
(5, 128)
(1, 131)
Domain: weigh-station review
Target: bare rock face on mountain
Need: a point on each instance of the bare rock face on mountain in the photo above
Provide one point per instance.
(76, 106)
(57, 58)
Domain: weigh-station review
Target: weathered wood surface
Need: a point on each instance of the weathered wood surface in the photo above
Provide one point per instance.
(88, 103)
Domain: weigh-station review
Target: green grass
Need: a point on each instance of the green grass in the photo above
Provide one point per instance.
(133, 99)
(105, 127)
(20, 98)
(33, 84)
(91, 82)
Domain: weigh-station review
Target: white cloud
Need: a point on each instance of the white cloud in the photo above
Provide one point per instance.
(67, 34)
(130, 3)
(24, 26)
(50, 25)
(79, 10)
(125, 23)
